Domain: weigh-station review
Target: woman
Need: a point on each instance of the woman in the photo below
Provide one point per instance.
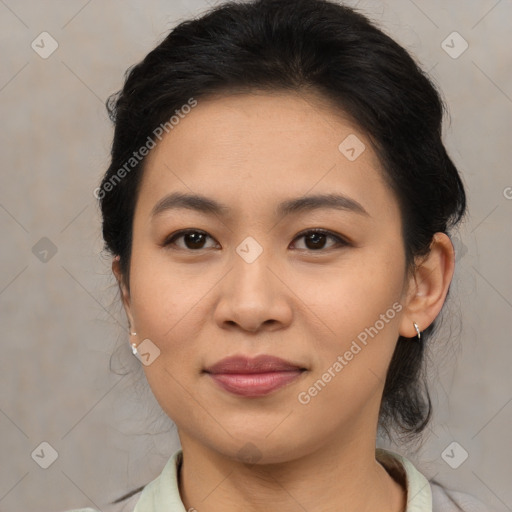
(278, 207)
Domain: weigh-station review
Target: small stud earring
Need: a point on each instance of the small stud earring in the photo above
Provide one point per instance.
(134, 346)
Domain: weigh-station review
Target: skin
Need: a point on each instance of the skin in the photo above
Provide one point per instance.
(251, 151)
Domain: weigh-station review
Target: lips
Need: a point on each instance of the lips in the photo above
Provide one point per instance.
(253, 377)
(245, 365)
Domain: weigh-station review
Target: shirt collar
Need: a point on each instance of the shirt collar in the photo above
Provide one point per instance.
(419, 494)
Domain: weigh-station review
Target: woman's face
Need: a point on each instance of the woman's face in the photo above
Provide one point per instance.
(250, 278)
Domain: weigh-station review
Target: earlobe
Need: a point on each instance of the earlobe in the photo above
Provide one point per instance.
(125, 295)
(429, 286)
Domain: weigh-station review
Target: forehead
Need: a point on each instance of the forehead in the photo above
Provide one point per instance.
(258, 148)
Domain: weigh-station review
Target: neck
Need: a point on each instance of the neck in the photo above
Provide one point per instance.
(326, 480)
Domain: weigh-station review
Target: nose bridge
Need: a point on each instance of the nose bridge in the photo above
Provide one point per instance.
(251, 276)
(251, 294)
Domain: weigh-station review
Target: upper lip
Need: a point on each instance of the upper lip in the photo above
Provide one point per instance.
(259, 364)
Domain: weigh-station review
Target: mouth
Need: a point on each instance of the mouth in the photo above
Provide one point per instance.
(254, 377)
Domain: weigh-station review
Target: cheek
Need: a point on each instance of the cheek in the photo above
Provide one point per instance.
(164, 303)
(165, 307)
(360, 311)
(360, 289)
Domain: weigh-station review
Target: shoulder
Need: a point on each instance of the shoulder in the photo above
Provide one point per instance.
(162, 493)
(423, 494)
(127, 505)
(450, 500)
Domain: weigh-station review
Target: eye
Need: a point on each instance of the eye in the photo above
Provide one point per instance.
(192, 238)
(315, 239)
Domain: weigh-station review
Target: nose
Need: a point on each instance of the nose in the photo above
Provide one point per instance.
(253, 297)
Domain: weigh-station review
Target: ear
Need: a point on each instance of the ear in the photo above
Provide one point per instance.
(428, 286)
(125, 294)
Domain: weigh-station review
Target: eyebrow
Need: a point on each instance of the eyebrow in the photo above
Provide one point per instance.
(206, 205)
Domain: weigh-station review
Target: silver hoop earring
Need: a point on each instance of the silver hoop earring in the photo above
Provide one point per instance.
(417, 330)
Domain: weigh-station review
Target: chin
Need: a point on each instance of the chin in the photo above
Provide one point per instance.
(259, 450)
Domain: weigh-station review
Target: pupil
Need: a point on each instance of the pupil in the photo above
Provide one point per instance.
(313, 237)
(195, 239)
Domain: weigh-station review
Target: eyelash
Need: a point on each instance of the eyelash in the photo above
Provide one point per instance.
(340, 241)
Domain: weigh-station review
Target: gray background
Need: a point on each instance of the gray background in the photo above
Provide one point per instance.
(61, 319)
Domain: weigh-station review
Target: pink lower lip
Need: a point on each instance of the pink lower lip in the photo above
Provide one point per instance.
(254, 384)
